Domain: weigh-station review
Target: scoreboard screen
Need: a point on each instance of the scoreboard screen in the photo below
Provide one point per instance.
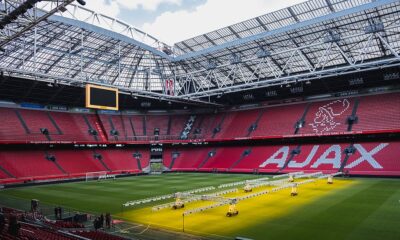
(100, 97)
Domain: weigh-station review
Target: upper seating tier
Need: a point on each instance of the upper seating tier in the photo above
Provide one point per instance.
(375, 113)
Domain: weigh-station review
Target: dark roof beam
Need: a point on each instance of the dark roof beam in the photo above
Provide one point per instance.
(234, 32)
(330, 6)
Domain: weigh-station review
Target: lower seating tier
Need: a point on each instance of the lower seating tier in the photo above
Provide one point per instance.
(378, 158)
(27, 165)
(363, 158)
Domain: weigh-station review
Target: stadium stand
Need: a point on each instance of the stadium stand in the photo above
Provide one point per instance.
(307, 160)
(78, 162)
(252, 162)
(239, 124)
(223, 159)
(74, 127)
(185, 160)
(20, 166)
(12, 129)
(279, 121)
(368, 159)
(201, 126)
(24, 164)
(379, 113)
(120, 160)
(177, 125)
(375, 159)
(162, 122)
(25, 125)
(316, 118)
(313, 87)
(37, 227)
(137, 123)
(327, 116)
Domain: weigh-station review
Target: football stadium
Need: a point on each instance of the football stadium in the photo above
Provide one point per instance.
(282, 126)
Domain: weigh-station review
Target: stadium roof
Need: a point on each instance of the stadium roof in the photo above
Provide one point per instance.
(308, 41)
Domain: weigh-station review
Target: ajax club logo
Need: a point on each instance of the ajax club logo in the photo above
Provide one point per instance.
(325, 118)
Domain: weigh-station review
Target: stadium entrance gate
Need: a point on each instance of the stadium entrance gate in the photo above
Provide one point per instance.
(156, 159)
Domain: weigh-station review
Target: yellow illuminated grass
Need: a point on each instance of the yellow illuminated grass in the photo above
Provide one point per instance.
(251, 211)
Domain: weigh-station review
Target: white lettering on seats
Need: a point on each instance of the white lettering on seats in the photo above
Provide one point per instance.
(325, 117)
(335, 161)
(367, 156)
(295, 164)
(274, 159)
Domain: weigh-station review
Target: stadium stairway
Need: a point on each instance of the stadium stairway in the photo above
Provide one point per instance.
(100, 130)
(210, 154)
(5, 174)
(90, 127)
(174, 156)
(187, 127)
(237, 123)
(22, 121)
(353, 119)
(53, 159)
(178, 124)
(254, 125)
(39, 123)
(217, 129)
(54, 124)
(245, 154)
(138, 156)
(293, 153)
(97, 156)
(350, 150)
(301, 122)
(197, 127)
(114, 132)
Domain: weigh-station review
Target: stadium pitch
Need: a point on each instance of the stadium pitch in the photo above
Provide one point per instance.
(354, 208)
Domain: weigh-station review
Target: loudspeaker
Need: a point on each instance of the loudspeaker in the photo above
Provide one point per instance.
(114, 132)
(44, 131)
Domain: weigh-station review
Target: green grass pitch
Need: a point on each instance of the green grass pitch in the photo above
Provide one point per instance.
(355, 208)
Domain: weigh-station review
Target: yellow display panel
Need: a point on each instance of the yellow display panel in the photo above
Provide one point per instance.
(99, 97)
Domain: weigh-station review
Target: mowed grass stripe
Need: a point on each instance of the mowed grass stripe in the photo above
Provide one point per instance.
(366, 209)
(381, 221)
(333, 216)
(109, 195)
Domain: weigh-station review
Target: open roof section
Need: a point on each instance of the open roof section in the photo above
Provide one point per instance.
(270, 22)
(77, 15)
(311, 40)
(358, 38)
